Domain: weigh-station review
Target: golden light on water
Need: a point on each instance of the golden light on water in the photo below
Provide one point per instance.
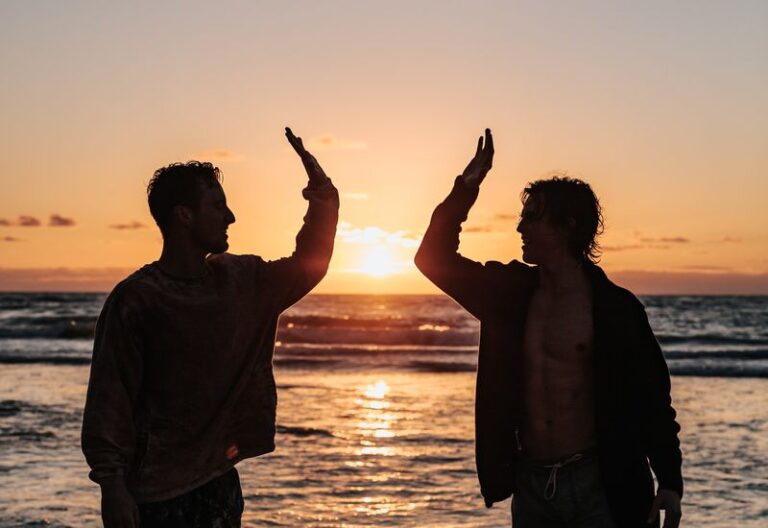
(377, 391)
(375, 422)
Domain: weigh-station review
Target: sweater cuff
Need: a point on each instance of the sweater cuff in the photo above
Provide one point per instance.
(323, 192)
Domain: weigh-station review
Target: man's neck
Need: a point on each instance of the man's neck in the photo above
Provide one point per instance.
(181, 261)
(562, 275)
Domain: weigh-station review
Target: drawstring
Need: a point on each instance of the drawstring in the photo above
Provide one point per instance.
(551, 488)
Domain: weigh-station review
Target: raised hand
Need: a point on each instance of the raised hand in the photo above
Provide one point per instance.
(482, 162)
(314, 170)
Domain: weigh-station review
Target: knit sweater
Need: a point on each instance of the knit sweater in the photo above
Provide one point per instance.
(181, 385)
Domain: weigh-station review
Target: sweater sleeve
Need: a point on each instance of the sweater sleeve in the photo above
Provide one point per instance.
(438, 257)
(293, 277)
(108, 433)
(659, 427)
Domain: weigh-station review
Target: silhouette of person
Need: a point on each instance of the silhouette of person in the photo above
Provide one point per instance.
(573, 393)
(181, 386)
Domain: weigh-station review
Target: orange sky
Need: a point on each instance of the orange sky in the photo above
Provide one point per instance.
(661, 108)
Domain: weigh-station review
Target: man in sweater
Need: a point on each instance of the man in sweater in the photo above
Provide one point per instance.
(181, 386)
(573, 393)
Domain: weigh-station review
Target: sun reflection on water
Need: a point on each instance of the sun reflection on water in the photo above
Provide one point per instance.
(375, 422)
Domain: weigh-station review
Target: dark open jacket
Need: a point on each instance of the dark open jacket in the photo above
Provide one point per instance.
(635, 421)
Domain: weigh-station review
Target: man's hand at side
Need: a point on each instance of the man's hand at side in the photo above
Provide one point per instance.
(315, 172)
(118, 508)
(669, 501)
(479, 166)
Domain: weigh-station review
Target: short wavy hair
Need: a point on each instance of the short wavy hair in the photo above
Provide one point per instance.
(179, 184)
(571, 203)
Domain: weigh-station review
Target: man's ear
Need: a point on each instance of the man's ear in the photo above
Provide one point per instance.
(183, 214)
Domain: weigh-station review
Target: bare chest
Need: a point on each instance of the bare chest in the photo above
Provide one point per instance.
(559, 330)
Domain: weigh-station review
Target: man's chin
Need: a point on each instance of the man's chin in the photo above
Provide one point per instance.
(220, 248)
(528, 258)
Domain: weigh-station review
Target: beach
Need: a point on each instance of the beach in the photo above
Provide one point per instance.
(377, 430)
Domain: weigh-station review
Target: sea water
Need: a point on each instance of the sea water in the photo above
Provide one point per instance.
(375, 415)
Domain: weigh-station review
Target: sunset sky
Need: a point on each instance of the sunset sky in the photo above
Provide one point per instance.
(661, 106)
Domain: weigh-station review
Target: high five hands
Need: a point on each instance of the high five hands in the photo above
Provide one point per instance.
(477, 169)
(315, 172)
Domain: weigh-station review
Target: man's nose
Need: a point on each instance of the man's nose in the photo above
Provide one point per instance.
(231, 218)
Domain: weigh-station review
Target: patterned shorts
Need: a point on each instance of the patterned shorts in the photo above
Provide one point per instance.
(216, 504)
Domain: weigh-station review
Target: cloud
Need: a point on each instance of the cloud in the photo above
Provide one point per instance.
(691, 282)
(61, 279)
(480, 229)
(505, 216)
(707, 268)
(731, 240)
(129, 225)
(57, 220)
(4, 222)
(373, 235)
(328, 142)
(625, 247)
(10, 239)
(28, 221)
(666, 240)
(354, 196)
(219, 155)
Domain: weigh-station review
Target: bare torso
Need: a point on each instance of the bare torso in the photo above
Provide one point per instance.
(558, 374)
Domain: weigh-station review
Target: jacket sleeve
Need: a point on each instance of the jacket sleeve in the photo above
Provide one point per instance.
(657, 416)
(108, 435)
(438, 257)
(293, 277)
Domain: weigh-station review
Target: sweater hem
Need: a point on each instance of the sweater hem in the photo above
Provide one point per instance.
(163, 495)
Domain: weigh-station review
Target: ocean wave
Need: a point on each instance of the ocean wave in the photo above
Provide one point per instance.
(48, 326)
(303, 431)
(720, 370)
(428, 336)
(710, 339)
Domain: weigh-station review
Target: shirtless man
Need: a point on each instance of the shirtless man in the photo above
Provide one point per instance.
(573, 393)
(181, 386)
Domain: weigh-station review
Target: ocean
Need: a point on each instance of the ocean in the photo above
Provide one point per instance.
(375, 414)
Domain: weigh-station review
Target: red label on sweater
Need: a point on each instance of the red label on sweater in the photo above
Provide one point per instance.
(232, 451)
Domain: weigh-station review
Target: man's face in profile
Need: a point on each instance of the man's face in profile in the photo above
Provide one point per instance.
(542, 240)
(211, 220)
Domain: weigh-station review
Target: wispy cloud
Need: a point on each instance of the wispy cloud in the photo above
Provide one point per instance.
(505, 216)
(10, 239)
(129, 225)
(354, 195)
(329, 142)
(731, 240)
(703, 267)
(28, 221)
(56, 220)
(665, 240)
(373, 235)
(481, 229)
(691, 282)
(624, 247)
(219, 155)
(4, 222)
(61, 279)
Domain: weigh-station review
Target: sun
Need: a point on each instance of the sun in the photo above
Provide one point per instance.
(379, 262)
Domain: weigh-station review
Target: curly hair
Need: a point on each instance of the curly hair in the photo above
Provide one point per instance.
(571, 203)
(179, 184)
